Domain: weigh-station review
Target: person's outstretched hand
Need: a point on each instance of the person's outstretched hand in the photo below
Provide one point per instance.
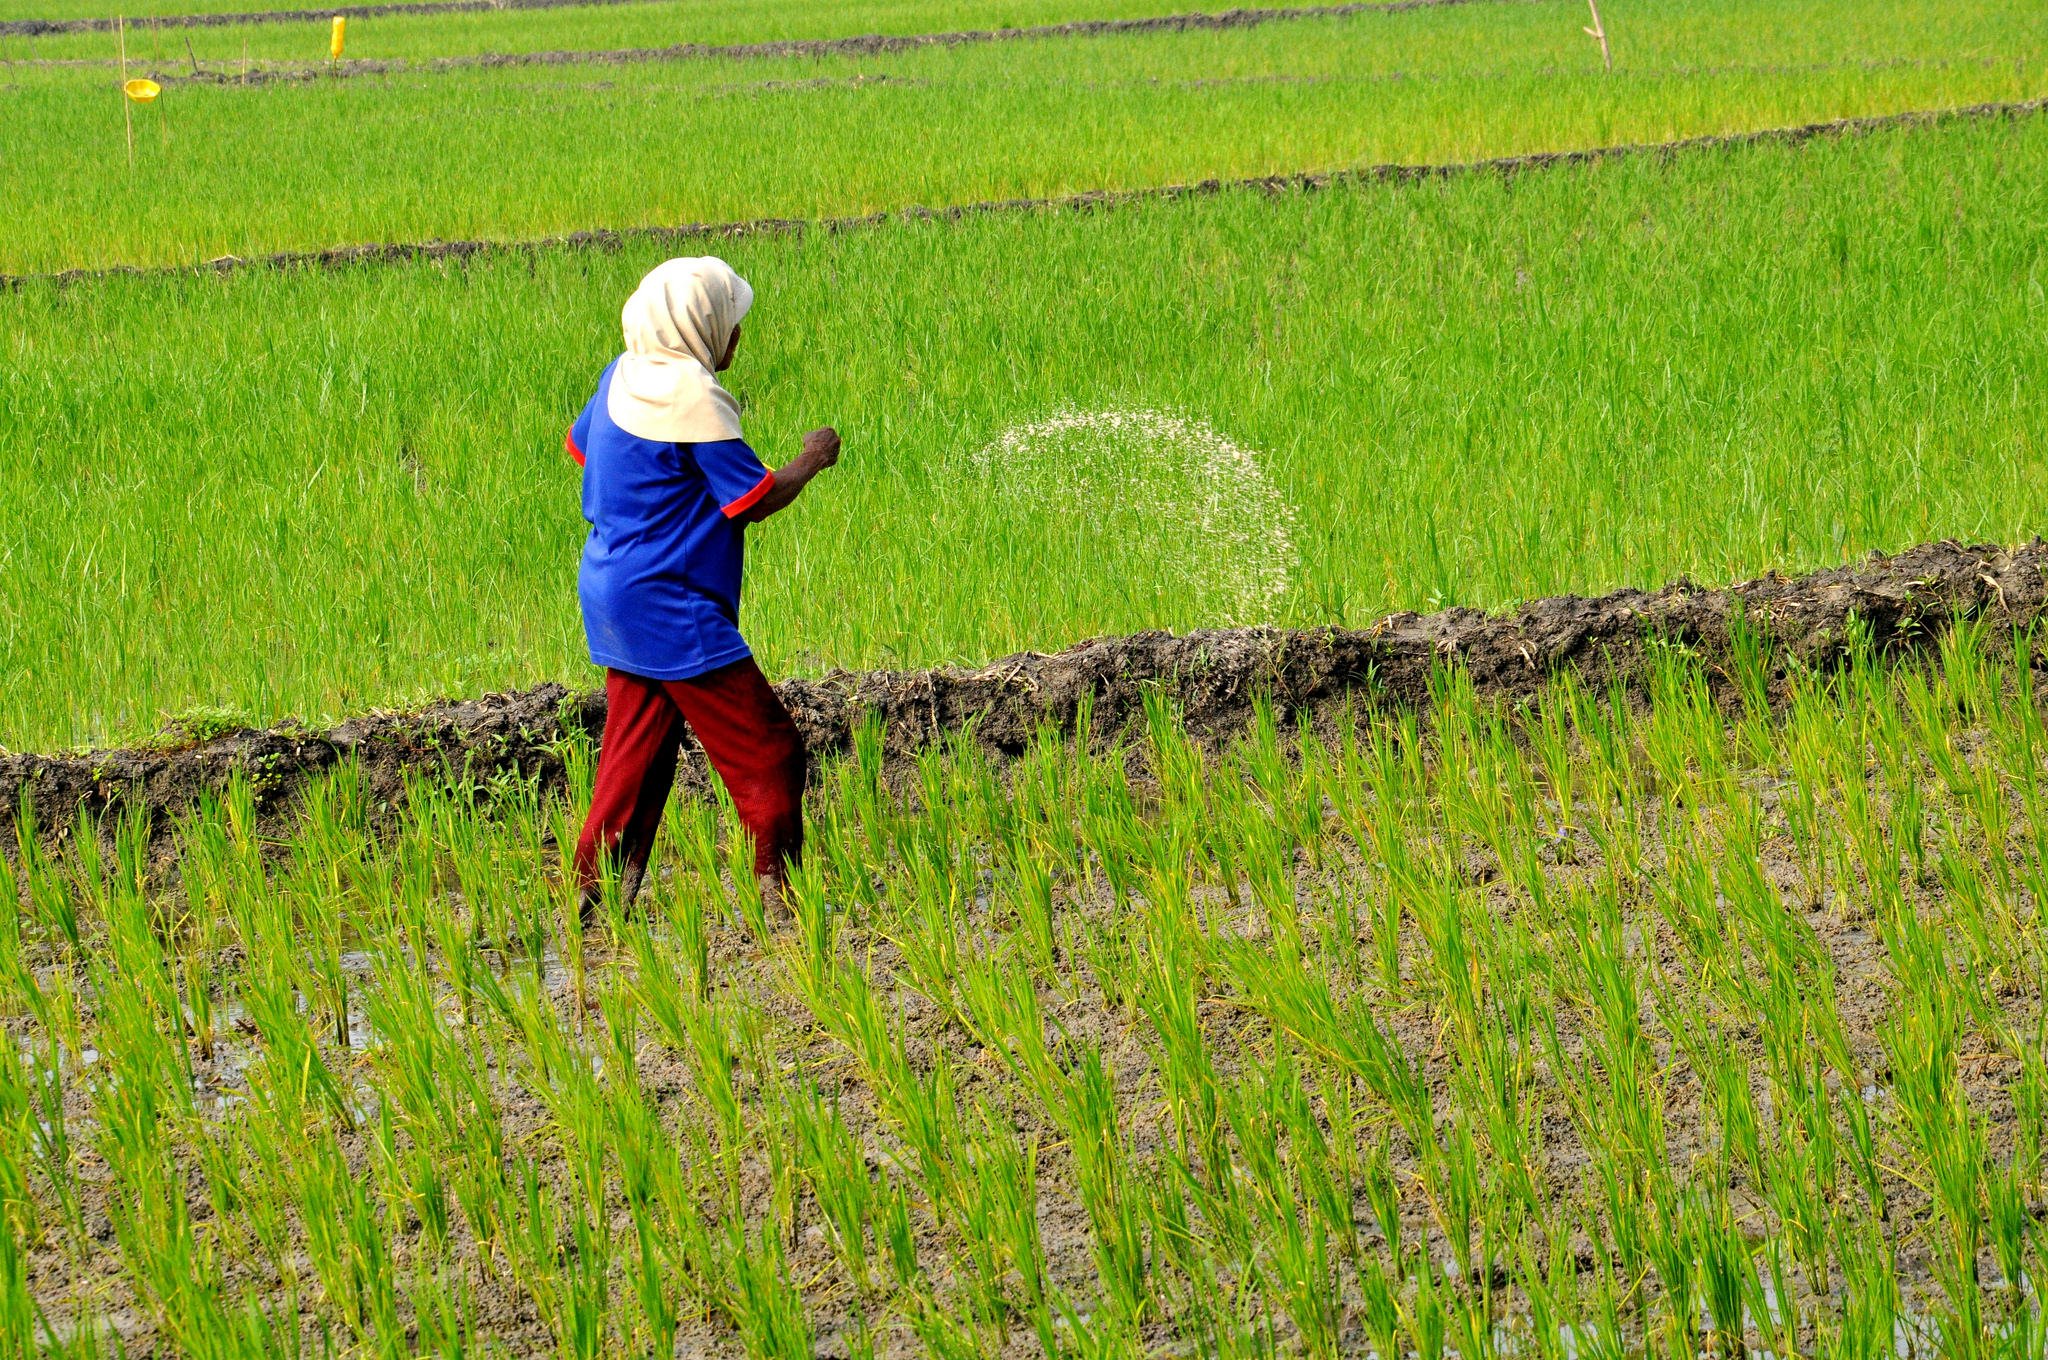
(820, 451)
(821, 446)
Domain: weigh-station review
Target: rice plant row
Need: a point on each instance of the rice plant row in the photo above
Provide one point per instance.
(1591, 1027)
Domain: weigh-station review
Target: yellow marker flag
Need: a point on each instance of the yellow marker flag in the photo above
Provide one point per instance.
(142, 91)
(340, 35)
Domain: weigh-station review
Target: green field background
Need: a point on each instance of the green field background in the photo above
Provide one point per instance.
(525, 152)
(306, 493)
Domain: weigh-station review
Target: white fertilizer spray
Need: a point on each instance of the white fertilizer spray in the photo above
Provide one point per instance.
(1162, 499)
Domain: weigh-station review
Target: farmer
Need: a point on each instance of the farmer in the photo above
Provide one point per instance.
(669, 487)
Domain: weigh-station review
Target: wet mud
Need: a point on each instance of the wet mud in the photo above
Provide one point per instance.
(1905, 604)
(339, 257)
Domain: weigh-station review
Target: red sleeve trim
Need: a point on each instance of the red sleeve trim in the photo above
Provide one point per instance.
(569, 443)
(745, 503)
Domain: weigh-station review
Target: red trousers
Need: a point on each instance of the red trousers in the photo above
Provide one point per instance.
(746, 733)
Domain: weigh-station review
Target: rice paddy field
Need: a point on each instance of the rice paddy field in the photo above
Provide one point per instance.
(525, 151)
(1579, 1029)
(1696, 1017)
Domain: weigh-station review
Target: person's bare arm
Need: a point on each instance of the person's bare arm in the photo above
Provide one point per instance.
(820, 451)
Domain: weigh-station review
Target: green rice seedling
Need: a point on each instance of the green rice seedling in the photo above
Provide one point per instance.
(292, 1072)
(203, 845)
(1380, 1306)
(1950, 1142)
(443, 1313)
(1383, 1193)
(1029, 886)
(1177, 765)
(259, 1155)
(46, 893)
(1288, 785)
(999, 1219)
(1771, 1297)
(2009, 1227)
(2029, 1095)
(1669, 1246)
(1868, 1321)
(1001, 998)
(928, 933)
(1342, 1115)
(1424, 1318)
(846, 852)
(1727, 1274)
(1287, 1202)
(1102, 1157)
(919, 1107)
(766, 1307)
(1301, 1004)
(556, 1261)
(837, 1172)
(651, 1285)
(817, 924)
(18, 1310)
(1613, 787)
(1451, 1175)
(1799, 1168)
(1167, 996)
(338, 876)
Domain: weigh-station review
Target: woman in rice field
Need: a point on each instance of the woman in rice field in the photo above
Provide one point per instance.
(669, 487)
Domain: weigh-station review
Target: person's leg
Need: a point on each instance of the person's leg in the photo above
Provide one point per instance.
(750, 739)
(636, 766)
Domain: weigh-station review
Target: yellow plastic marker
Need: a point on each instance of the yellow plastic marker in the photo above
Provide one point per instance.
(340, 35)
(142, 91)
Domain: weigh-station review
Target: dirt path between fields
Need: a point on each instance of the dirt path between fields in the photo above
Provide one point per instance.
(36, 28)
(1907, 601)
(338, 257)
(859, 45)
(855, 44)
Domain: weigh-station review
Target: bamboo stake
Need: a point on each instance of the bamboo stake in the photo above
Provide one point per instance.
(1599, 31)
(127, 110)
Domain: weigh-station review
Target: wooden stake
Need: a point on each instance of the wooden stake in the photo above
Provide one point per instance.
(190, 55)
(127, 109)
(1600, 32)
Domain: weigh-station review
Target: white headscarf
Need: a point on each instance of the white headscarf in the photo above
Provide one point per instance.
(678, 324)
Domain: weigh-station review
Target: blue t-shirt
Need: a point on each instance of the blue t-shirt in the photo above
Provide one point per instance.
(660, 579)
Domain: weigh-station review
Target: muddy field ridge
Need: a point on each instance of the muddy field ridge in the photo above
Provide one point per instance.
(1904, 603)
